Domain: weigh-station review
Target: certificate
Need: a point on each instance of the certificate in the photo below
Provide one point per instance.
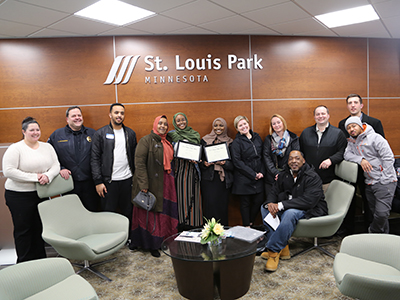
(188, 151)
(216, 152)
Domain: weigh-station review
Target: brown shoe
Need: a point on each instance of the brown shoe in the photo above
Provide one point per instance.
(273, 261)
(284, 254)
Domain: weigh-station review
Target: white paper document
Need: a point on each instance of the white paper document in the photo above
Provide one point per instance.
(189, 236)
(273, 222)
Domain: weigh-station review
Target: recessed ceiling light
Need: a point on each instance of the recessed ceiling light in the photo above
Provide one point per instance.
(114, 12)
(348, 16)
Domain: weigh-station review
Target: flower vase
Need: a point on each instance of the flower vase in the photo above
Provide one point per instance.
(215, 247)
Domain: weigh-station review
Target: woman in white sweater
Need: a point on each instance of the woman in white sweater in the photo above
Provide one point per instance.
(25, 163)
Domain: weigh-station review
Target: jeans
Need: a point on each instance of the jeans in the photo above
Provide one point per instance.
(278, 239)
(380, 197)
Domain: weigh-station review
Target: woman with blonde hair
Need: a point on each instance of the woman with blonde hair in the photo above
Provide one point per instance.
(276, 149)
(248, 174)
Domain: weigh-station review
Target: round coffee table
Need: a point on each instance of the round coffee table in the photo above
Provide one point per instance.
(200, 268)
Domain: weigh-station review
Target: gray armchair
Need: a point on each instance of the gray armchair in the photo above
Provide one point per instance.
(78, 234)
(338, 198)
(368, 267)
(44, 279)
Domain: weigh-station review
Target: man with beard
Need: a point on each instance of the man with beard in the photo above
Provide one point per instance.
(113, 153)
(295, 195)
(73, 145)
(372, 152)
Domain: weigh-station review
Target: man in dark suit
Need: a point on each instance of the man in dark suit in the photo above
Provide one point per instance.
(355, 105)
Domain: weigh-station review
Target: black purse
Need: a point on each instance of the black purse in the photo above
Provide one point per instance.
(146, 201)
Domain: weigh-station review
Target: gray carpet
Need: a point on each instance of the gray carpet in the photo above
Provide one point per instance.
(138, 275)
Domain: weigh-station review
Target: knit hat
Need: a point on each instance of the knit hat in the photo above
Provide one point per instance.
(352, 120)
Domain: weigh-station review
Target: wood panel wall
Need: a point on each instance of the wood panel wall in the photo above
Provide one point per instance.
(42, 77)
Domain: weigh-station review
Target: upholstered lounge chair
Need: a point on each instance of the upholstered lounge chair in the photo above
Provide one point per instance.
(338, 198)
(44, 279)
(368, 267)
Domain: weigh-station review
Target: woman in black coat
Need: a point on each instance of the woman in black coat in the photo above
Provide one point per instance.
(246, 151)
(277, 146)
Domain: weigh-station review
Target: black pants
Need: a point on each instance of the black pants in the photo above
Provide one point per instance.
(86, 190)
(119, 197)
(28, 240)
(250, 207)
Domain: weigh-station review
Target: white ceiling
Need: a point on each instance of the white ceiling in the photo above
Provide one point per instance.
(54, 18)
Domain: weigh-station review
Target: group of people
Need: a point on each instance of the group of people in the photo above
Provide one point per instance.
(284, 175)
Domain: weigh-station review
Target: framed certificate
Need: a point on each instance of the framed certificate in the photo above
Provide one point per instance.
(216, 152)
(188, 151)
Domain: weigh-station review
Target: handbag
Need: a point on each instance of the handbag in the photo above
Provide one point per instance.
(146, 201)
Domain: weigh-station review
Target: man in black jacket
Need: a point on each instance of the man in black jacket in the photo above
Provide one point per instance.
(113, 153)
(323, 145)
(73, 145)
(295, 195)
(354, 105)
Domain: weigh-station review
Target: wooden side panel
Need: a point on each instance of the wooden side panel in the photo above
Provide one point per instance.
(307, 67)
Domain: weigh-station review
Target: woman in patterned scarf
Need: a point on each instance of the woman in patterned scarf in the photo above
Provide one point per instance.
(277, 146)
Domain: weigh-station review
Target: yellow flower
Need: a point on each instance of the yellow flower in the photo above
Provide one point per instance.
(218, 229)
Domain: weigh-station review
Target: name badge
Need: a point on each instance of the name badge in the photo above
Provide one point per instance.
(110, 136)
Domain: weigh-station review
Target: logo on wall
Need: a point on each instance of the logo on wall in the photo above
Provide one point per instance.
(122, 69)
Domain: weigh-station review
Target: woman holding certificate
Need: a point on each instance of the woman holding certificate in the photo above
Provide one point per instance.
(216, 176)
(246, 151)
(187, 174)
(277, 146)
(153, 172)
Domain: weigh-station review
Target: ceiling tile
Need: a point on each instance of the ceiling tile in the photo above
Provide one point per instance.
(124, 31)
(240, 6)
(158, 25)
(276, 14)
(260, 30)
(69, 6)
(393, 25)
(82, 26)
(388, 9)
(29, 14)
(11, 29)
(367, 29)
(198, 12)
(158, 5)
(52, 33)
(318, 7)
(230, 24)
(193, 30)
(297, 27)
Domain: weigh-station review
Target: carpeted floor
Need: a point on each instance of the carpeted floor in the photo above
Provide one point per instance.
(138, 275)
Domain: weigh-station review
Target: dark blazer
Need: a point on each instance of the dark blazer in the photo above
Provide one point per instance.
(375, 123)
(332, 146)
(306, 192)
(247, 160)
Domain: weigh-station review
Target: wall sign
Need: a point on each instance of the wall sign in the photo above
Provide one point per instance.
(127, 64)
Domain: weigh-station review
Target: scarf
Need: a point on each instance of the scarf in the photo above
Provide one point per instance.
(213, 138)
(168, 151)
(188, 133)
(278, 145)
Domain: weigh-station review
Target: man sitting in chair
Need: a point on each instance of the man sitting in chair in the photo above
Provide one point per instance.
(296, 194)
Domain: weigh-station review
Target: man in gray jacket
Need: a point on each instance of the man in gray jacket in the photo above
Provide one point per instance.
(372, 152)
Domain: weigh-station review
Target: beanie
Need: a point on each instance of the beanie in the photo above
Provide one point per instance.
(353, 120)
